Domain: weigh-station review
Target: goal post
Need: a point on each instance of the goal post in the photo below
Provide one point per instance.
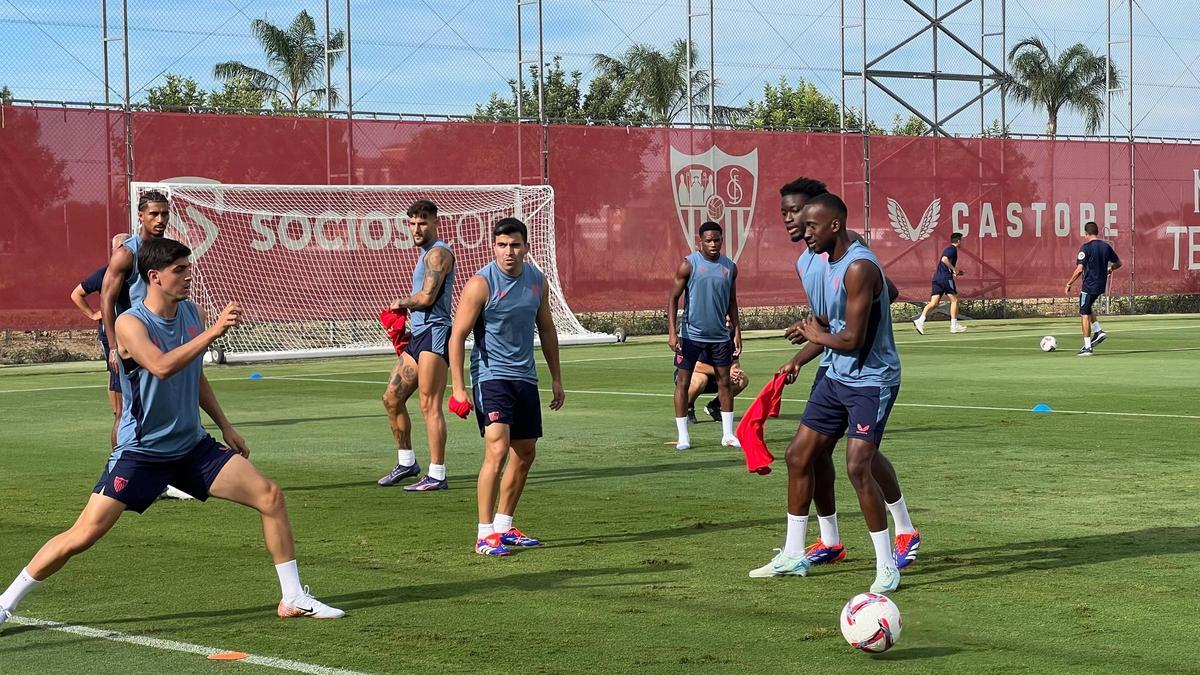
(313, 265)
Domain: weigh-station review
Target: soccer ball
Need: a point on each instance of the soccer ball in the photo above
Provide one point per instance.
(871, 622)
(1049, 344)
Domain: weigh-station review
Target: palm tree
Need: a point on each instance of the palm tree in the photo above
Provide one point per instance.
(658, 81)
(295, 55)
(1077, 80)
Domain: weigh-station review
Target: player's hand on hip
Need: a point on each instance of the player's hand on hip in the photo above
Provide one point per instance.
(96, 316)
(560, 396)
(235, 442)
(794, 334)
(958, 272)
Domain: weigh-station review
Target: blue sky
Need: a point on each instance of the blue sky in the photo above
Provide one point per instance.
(443, 56)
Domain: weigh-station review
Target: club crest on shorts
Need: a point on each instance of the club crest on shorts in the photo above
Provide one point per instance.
(494, 416)
(119, 483)
(717, 186)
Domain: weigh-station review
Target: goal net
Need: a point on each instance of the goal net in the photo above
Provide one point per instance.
(313, 265)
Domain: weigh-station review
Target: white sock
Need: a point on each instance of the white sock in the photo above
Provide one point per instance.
(502, 522)
(20, 587)
(405, 457)
(437, 471)
(1087, 342)
(883, 549)
(484, 531)
(900, 517)
(681, 426)
(289, 581)
(1096, 327)
(829, 530)
(726, 423)
(797, 530)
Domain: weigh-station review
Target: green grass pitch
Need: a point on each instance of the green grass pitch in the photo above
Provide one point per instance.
(1062, 542)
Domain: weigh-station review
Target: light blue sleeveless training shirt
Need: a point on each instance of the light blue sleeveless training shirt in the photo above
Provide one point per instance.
(811, 268)
(504, 331)
(134, 283)
(439, 313)
(706, 301)
(161, 418)
(877, 363)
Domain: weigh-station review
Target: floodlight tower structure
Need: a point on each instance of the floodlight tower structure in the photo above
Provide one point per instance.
(867, 66)
(700, 19)
(531, 53)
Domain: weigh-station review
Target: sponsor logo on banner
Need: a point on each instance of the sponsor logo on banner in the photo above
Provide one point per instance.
(717, 186)
(1013, 219)
(1187, 237)
(905, 229)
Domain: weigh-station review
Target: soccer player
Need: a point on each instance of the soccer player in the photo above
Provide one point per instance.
(500, 306)
(811, 269)
(857, 394)
(704, 381)
(92, 284)
(162, 341)
(123, 286)
(1095, 262)
(423, 365)
(943, 284)
(707, 280)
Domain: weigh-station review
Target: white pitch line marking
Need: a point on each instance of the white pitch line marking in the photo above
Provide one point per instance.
(944, 406)
(174, 646)
(632, 357)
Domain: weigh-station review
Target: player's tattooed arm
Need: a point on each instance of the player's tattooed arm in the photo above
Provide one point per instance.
(438, 264)
(680, 285)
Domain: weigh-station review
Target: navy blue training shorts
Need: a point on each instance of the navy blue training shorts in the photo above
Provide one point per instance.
(512, 402)
(716, 353)
(137, 479)
(434, 339)
(835, 409)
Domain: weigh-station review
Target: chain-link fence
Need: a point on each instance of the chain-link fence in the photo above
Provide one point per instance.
(449, 57)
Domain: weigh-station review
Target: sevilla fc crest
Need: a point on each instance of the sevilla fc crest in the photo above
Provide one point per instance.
(119, 483)
(715, 186)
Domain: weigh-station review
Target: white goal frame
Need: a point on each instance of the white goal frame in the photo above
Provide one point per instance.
(357, 330)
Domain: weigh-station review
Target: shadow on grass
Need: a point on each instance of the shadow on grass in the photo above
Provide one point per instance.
(625, 471)
(989, 562)
(303, 420)
(902, 654)
(699, 527)
(531, 582)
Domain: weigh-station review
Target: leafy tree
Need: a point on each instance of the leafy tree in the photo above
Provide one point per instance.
(657, 82)
(296, 56)
(800, 107)
(1075, 80)
(237, 94)
(997, 130)
(913, 126)
(178, 92)
(6, 96)
(784, 106)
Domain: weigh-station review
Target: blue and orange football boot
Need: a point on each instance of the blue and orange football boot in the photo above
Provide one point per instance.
(906, 549)
(820, 554)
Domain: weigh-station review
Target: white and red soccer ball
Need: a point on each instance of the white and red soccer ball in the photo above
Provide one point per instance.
(1049, 343)
(871, 622)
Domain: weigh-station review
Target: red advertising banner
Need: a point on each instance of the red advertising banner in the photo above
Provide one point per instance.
(627, 200)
